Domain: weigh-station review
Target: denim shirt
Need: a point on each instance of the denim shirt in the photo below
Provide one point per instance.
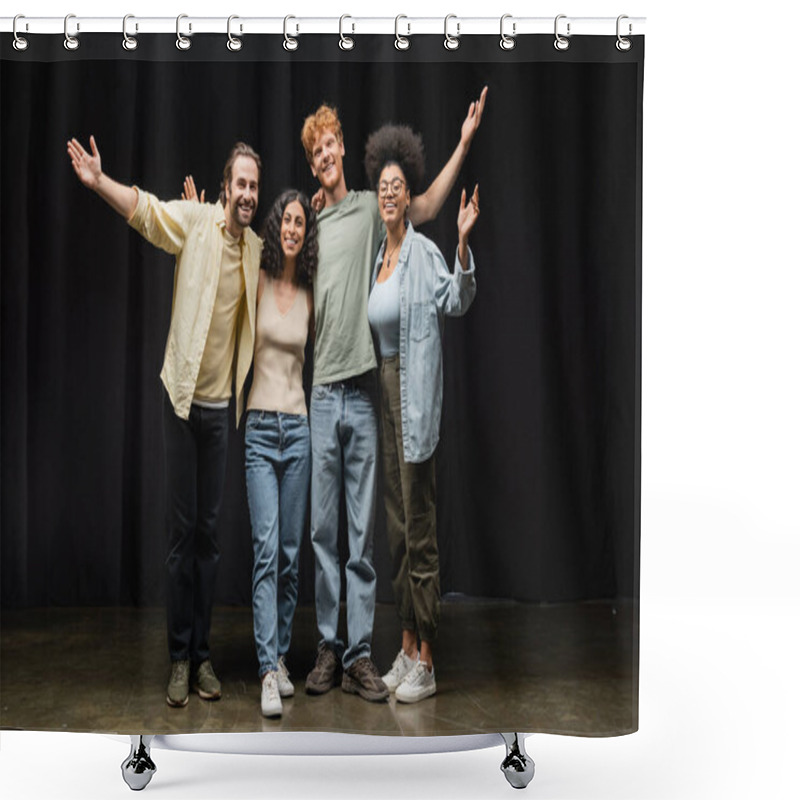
(428, 292)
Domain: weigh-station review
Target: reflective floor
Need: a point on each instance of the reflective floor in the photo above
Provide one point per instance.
(499, 666)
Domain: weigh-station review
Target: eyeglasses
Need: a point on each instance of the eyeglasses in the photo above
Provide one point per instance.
(396, 186)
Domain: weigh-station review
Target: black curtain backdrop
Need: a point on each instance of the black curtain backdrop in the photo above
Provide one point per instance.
(538, 465)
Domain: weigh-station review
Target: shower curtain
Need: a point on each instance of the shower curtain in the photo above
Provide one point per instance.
(537, 469)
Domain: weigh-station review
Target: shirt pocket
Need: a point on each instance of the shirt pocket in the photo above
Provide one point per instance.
(420, 322)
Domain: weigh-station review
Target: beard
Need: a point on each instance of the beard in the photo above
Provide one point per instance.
(240, 215)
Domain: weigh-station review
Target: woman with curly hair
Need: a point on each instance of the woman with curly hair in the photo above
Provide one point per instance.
(412, 291)
(277, 441)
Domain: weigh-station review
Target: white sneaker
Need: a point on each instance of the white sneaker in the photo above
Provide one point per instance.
(271, 705)
(401, 667)
(285, 686)
(417, 685)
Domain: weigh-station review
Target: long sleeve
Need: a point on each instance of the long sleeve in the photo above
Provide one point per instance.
(163, 224)
(453, 291)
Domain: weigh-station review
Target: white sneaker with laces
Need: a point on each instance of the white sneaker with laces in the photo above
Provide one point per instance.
(285, 686)
(401, 667)
(271, 705)
(417, 685)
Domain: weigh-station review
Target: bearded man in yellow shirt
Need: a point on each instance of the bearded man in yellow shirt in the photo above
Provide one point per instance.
(208, 354)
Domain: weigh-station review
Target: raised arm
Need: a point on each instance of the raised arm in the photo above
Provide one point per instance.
(89, 170)
(467, 217)
(426, 206)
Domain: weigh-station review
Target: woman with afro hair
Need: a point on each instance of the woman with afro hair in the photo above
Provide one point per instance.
(277, 440)
(412, 291)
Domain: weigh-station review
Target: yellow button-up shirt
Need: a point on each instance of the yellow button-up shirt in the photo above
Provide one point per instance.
(192, 232)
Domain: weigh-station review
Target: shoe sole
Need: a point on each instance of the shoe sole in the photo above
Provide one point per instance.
(427, 693)
(287, 694)
(272, 714)
(323, 688)
(177, 703)
(206, 695)
(352, 686)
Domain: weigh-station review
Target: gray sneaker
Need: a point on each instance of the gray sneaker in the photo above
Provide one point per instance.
(178, 686)
(206, 683)
(362, 678)
(326, 673)
(285, 686)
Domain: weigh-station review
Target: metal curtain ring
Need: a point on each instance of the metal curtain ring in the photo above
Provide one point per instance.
(346, 42)
(182, 42)
(623, 44)
(20, 42)
(451, 42)
(561, 42)
(507, 42)
(129, 42)
(71, 42)
(289, 43)
(233, 43)
(401, 42)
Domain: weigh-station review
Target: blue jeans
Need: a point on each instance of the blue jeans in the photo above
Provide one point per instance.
(277, 470)
(344, 444)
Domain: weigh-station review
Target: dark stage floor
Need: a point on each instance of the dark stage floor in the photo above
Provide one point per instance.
(499, 666)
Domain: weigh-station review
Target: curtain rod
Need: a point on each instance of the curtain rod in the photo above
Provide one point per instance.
(403, 25)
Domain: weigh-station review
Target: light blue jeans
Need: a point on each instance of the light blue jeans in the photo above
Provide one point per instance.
(344, 444)
(277, 469)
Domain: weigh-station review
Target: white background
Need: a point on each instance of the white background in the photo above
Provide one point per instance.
(720, 604)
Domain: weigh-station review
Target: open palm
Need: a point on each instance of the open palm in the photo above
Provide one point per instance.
(87, 167)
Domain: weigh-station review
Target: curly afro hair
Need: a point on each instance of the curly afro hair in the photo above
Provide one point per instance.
(395, 144)
(272, 254)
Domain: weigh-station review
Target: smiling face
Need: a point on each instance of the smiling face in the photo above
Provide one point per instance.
(326, 160)
(393, 196)
(242, 195)
(293, 230)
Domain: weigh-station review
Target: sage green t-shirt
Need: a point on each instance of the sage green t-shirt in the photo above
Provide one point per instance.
(349, 236)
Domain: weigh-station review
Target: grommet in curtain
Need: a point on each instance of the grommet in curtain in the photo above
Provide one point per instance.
(20, 42)
(182, 42)
(289, 43)
(507, 42)
(234, 44)
(623, 44)
(70, 42)
(401, 42)
(451, 42)
(129, 42)
(561, 42)
(346, 42)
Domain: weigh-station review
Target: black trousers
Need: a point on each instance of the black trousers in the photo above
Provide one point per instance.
(196, 453)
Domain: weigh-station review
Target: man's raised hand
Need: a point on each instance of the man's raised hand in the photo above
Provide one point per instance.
(87, 167)
(473, 119)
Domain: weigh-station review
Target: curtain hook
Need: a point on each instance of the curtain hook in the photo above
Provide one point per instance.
(623, 44)
(401, 42)
(182, 42)
(451, 42)
(71, 42)
(129, 42)
(234, 44)
(289, 43)
(561, 42)
(20, 42)
(346, 42)
(507, 42)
